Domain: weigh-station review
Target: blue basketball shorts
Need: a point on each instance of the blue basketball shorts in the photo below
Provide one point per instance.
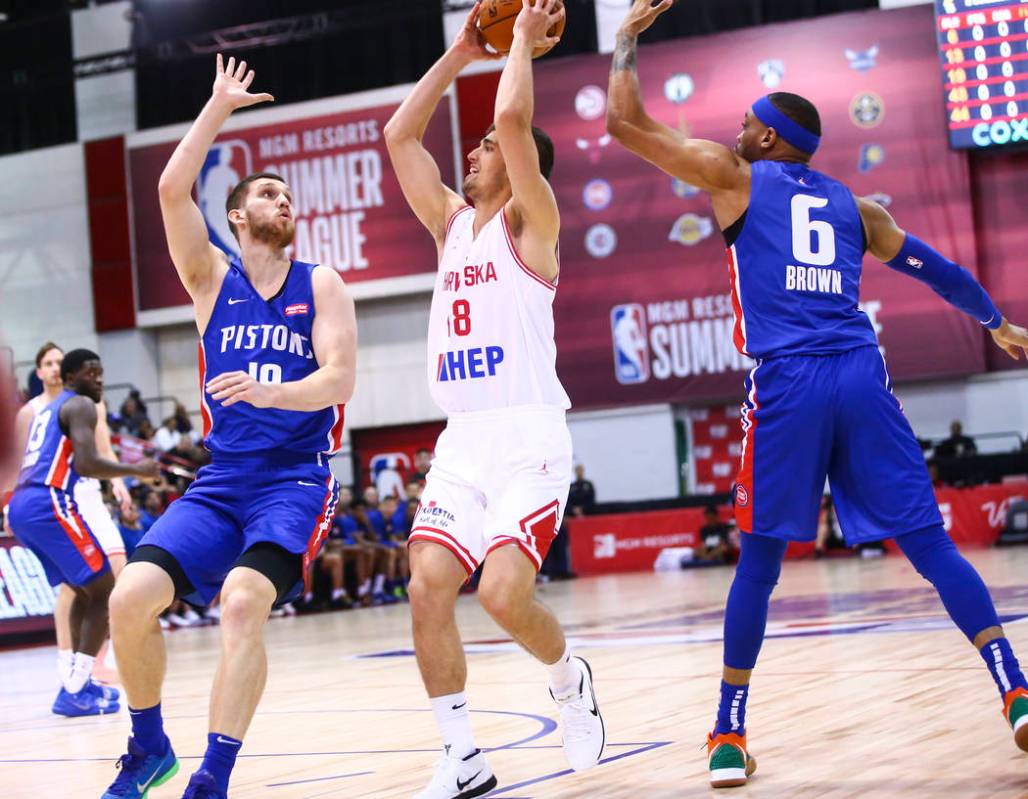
(239, 501)
(47, 521)
(808, 417)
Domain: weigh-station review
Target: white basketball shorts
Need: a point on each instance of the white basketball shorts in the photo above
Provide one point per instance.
(95, 514)
(499, 477)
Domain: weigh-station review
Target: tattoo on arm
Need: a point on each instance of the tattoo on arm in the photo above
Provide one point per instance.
(624, 53)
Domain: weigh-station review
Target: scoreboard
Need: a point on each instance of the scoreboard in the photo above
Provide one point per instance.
(983, 46)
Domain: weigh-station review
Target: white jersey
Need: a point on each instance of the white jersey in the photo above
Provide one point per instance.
(490, 334)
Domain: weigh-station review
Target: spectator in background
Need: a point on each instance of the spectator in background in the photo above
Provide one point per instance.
(167, 437)
(403, 519)
(131, 528)
(373, 534)
(582, 496)
(714, 545)
(183, 424)
(153, 509)
(133, 413)
(389, 508)
(422, 463)
(957, 445)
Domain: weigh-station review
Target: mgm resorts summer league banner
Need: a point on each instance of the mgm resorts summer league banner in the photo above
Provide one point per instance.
(350, 212)
(644, 312)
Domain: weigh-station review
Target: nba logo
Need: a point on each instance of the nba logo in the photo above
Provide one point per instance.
(228, 162)
(389, 470)
(631, 351)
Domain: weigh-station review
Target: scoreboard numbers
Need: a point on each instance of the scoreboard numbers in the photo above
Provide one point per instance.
(983, 51)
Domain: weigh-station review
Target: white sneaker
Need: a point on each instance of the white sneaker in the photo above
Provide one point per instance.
(460, 778)
(581, 724)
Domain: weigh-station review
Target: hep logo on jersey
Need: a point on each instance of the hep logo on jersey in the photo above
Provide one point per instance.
(469, 364)
(631, 351)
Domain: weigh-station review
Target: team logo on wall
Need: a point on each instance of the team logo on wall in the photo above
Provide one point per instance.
(871, 155)
(601, 240)
(867, 110)
(228, 162)
(591, 102)
(862, 60)
(690, 229)
(593, 148)
(683, 189)
(631, 350)
(597, 194)
(679, 88)
(771, 72)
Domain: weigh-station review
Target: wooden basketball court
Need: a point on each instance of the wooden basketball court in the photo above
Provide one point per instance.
(864, 689)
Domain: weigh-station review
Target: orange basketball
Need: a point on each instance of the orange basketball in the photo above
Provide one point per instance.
(496, 21)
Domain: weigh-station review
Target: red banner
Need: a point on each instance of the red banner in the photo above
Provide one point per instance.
(350, 212)
(387, 456)
(629, 542)
(26, 598)
(643, 314)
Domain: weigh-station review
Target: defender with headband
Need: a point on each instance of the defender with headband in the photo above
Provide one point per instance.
(819, 401)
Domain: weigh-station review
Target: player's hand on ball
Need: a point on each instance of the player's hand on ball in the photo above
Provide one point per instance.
(233, 387)
(642, 14)
(232, 84)
(470, 42)
(534, 21)
(1011, 338)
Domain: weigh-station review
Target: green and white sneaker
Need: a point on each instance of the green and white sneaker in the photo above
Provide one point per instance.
(1015, 711)
(729, 762)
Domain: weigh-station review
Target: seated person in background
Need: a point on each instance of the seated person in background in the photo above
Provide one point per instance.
(343, 547)
(422, 463)
(957, 445)
(373, 535)
(153, 509)
(131, 527)
(390, 509)
(133, 414)
(168, 436)
(714, 546)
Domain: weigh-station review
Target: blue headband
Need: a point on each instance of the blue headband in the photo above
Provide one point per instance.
(793, 132)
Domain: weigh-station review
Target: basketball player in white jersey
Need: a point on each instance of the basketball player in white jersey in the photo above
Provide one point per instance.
(87, 496)
(499, 483)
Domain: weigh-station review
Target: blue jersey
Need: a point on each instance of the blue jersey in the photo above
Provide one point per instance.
(795, 259)
(344, 527)
(271, 340)
(49, 457)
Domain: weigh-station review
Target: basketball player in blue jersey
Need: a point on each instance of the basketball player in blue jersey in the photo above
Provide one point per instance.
(61, 447)
(277, 360)
(819, 400)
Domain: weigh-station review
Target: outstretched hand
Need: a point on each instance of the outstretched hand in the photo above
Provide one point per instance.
(642, 14)
(232, 84)
(470, 42)
(1011, 338)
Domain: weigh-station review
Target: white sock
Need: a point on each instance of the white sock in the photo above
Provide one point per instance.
(364, 588)
(451, 714)
(65, 660)
(380, 583)
(80, 672)
(564, 674)
(338, 593)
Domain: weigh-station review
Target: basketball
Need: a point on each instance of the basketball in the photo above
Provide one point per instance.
(497, 25)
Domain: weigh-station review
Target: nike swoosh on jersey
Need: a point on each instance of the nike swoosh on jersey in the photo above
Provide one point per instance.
(233, 301)
(304, 483)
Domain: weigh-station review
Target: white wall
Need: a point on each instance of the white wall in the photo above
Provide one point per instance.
(628, 453)
(995, 403)
(45, 281)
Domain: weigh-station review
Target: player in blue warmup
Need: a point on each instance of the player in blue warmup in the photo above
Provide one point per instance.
(61, 446)
(819, 400)
(277, 363)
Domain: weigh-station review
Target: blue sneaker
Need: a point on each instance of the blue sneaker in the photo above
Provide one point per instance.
(202, 785)
(383, 599)
(141, 771)
(85, 703)
(108, 692)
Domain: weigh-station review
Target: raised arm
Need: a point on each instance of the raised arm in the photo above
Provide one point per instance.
(533, 206)
(905, 253)
(334, 339)
(78, 416)
(707, 165)
(431, 200)
(199, 263)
